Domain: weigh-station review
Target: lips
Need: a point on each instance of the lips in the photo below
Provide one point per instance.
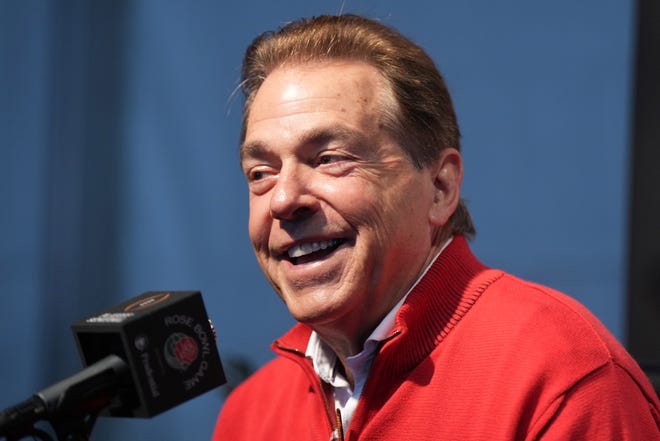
(308, 251)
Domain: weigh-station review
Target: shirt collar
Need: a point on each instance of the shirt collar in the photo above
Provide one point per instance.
(324, 358)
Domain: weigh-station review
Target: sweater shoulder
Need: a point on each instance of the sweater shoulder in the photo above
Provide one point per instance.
(539, 345)
(546, 321)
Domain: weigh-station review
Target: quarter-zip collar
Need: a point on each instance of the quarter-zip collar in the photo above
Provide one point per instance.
(434, 307)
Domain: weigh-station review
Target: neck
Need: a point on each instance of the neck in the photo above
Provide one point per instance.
(348, 339)
(344, 344)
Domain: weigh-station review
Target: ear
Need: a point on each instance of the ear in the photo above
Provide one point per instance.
(447, 175)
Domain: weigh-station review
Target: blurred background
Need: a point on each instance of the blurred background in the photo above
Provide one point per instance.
(119, 167)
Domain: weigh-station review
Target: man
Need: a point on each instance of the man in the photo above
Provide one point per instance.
(350, 147)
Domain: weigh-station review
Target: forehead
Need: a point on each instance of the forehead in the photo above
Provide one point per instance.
(294, 93)
(334, 71)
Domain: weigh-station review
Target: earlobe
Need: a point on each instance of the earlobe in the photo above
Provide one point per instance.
(447, 174)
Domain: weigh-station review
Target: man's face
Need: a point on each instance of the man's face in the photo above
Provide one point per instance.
(339, 215)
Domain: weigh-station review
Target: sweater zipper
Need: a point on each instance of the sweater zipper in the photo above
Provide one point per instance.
(340, 426)
(334, 418)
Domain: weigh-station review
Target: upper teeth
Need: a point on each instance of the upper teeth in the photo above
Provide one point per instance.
(310, 247)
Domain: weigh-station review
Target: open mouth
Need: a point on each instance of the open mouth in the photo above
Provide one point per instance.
(310, 251)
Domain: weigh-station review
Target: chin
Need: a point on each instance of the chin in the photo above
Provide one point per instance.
(314, 313)
(308, 315)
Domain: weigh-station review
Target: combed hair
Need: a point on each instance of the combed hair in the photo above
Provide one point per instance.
(421, 114)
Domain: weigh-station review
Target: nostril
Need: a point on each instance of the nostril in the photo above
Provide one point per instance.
(293, 207)
(300, 212)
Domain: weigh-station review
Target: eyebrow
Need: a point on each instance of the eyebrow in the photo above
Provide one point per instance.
(317, 136)
(255, 149)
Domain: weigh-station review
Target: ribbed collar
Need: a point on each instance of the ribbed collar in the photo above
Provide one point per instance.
(433, 308)
(324, 358)
(436, 305)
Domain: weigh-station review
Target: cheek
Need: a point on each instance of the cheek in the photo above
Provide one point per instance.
(388, 214)
(370, 213)
(259, 223)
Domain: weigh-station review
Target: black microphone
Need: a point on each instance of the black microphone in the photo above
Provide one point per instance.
(143, 357)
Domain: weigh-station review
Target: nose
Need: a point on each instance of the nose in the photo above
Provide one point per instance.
(291, 198)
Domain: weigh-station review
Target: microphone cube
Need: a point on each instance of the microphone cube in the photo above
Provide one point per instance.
(167, 341)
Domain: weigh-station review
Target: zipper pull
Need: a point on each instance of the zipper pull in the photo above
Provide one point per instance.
(339, 431)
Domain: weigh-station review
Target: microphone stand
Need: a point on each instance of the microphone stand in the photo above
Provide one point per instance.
(71, 406)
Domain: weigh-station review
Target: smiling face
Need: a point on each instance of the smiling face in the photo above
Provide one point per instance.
(341, 221)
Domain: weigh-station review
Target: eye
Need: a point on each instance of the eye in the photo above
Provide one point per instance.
(258, 172)
(334, 162)
(260, 180)
(328, 158)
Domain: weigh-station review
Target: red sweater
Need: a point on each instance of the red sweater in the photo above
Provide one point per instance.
(475, 354)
